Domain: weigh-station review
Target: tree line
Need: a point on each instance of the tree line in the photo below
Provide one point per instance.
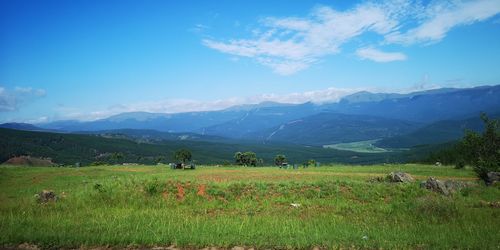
(481, 151)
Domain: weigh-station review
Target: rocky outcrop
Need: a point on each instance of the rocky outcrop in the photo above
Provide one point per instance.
(435, 185)
(399, 177)
(446, 188)
(492, 178)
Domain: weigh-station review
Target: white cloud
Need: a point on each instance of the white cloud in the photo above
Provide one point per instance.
(10, 100)
(188, 105)
(290, 44)
(29, 91)
(441, 17)
(379, 56)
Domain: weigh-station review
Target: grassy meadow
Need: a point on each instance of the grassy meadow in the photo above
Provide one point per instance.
(337, 207)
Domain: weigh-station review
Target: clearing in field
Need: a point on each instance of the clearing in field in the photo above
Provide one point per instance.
(359, 147)
(327, 207)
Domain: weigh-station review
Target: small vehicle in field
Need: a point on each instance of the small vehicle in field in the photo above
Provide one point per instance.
(182, 166)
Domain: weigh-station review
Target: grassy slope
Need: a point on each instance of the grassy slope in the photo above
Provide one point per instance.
(244, 206)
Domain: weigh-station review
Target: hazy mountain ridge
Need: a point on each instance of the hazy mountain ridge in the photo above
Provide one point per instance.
(360, 116)
(365, 96)
(180, 122)
(260, 119)
(23, 126)
(428, 107)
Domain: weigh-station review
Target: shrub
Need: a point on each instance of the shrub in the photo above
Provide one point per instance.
(99, 188)
(279, 160)
(152, 187)
(460, 164)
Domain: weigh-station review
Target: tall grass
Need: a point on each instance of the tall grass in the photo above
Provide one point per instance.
(224, 207)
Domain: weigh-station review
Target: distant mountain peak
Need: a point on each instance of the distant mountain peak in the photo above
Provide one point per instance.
(365, 96)
(138, 116)
(265, 104)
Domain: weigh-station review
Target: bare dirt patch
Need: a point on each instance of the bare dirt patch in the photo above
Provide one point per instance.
(202, 190)
(30, 161)
(180, 192)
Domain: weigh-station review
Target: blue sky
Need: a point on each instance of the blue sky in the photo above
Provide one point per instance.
(91, 59)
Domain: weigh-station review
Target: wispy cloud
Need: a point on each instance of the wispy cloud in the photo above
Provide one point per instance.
(379, 56)
(11, 99)
(442, 16)
(199, 28)
(291, 44)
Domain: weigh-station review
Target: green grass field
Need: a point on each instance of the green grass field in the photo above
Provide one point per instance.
(235, 206)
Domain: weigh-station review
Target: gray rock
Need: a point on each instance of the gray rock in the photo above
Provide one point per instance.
(492, 177)
(28, 246)
(455, 186)
(399, 177)
(435, 185)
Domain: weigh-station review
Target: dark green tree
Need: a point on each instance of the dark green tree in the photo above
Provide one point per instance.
(279, 160)
(117, 157)
(159, 159)
(245, 159)
(482, 151)
(183, 155)
(238, 158)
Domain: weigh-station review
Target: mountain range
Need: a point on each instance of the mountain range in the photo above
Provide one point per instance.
(395, 120)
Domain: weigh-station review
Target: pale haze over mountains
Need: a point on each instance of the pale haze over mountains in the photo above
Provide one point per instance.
(398, 120)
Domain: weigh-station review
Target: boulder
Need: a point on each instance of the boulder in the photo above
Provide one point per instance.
(455, 186)
(492, 177)
(435, 185)
(28, 246)
(399, 177)
(46, 196)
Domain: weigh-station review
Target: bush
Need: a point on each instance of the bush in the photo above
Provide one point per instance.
(460, 164)
(98, 163)
(99, 188)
